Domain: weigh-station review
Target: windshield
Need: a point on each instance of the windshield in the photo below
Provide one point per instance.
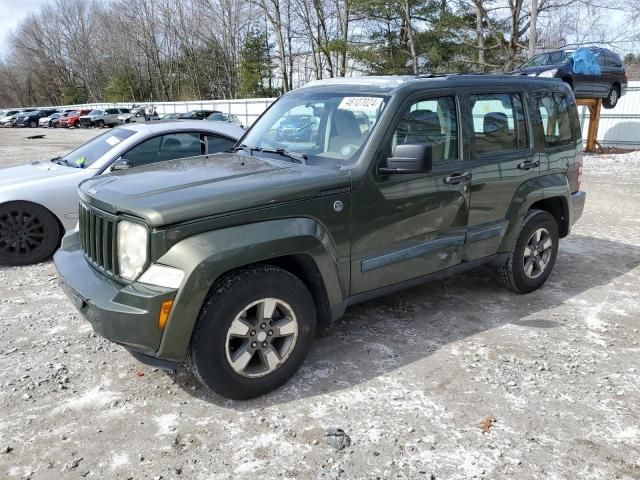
(324, 128)
(87, 153)
(551, 58)
(95, 112)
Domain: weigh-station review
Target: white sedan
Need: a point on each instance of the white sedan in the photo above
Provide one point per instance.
(39, 201)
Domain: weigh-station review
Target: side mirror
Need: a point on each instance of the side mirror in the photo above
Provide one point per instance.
(409, 158)
(121, 164)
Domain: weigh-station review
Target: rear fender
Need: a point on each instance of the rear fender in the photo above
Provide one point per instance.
(530, 192)
(207, 256)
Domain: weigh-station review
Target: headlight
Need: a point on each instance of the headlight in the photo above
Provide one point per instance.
(162, 276)
(549, 73)
(132, 249)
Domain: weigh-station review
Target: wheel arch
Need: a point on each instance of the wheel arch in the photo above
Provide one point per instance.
(551, 193)
(558, 207)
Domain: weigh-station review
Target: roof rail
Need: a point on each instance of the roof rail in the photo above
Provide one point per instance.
(449, 74)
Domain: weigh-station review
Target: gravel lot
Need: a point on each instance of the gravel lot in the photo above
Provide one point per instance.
(456, 379)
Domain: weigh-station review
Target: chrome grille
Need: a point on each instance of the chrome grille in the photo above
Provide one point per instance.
(98, 239)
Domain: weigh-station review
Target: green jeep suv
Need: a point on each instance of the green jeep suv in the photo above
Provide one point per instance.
(230, 262)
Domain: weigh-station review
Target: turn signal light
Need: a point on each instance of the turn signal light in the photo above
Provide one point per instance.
(165, 309)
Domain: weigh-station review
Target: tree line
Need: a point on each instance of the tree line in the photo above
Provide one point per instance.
(76, 51)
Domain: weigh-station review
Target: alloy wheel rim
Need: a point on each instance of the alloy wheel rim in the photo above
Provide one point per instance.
(537, 253)
(21, 232)
(261, 337)
(613, 96)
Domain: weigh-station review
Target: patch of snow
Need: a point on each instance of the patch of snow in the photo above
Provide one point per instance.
(612, 164)
(119, 460)
(165, 422)
(96, 397)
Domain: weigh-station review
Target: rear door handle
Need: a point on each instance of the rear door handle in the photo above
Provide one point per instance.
(527, 164)
(456, 178)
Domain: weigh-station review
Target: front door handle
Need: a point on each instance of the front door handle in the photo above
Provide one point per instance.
(456, 178)
(527, 164)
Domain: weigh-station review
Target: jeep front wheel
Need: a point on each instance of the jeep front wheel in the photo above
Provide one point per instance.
(253, 333)
(534, 254)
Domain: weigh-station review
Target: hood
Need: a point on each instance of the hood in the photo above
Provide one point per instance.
(186, 189)
(34, 172)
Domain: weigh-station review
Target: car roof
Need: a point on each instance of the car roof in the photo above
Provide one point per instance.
(387, 85)
(164, 126)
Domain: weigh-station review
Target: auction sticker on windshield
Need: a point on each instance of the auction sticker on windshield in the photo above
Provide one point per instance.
(360, 103)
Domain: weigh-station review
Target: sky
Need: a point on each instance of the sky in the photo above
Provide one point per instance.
(11, 12)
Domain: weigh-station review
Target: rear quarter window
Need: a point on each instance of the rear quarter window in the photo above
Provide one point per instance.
(554, 110)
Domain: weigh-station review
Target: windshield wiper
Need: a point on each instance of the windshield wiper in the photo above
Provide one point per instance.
(298, 157)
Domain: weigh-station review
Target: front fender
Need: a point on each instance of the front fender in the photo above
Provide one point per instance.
(207, 256)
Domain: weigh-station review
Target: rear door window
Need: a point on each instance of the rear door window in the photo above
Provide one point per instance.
(554, 112)
(499, 123)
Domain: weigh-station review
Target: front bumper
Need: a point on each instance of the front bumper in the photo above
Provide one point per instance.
(577, 205)
(124, 314)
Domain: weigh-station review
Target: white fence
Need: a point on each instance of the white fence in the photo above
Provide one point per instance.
(618, 127)
(247, 110)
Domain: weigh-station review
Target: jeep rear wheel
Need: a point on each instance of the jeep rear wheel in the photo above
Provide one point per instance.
(253, 333)
(29, 233)
(534, 254)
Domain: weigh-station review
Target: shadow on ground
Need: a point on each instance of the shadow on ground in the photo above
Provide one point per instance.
(379, 336)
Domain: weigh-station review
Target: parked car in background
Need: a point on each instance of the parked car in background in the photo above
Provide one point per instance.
(592, 72)
(32, 118)
(55, 122)
(170, 116)
(72, 119)
(47, 121)
(139, 114)
(198, 114)
(225, 117)
(296, 128)
(44, 194)
(8, 117)
(102, 117)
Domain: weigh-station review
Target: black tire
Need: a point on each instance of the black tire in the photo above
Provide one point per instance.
(100, 123)
(513, 275)
(33, 124)
(29, 233)
(229, 297)
(612, 97)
